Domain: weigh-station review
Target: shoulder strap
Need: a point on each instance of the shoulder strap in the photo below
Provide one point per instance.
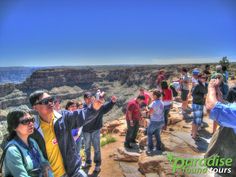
(4, 154)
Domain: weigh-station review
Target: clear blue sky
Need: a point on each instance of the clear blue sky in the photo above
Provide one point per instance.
(91, 32)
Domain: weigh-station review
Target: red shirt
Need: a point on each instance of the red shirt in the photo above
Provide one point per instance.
(167, 95)
(134, 108)
(147, 98)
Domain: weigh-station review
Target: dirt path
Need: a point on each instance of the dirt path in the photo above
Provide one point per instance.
(109, 167)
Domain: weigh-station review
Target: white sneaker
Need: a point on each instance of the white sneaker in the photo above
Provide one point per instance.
(86, 165)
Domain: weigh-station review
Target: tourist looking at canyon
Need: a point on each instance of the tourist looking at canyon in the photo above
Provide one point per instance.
(72, 106)
(198, 93)
(207, 71)
(156, 121)
(57, 104)
(53, 133)
(148, 99)
(185, 88)
(160, 78)
(22, 156)
(133, 116)
(167, 98)
(91, 131)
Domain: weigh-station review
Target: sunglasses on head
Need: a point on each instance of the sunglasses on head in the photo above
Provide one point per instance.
(27, 121)
(45, 101)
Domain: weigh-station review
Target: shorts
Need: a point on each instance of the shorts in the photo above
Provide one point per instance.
(184, 95)
(197, 114)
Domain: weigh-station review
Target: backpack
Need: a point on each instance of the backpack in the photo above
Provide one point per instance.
(4, 154)
(37, 172)
(174, 92)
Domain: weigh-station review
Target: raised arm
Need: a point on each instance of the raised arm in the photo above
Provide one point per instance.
(109, 105)
(81, 117)
(214, 94)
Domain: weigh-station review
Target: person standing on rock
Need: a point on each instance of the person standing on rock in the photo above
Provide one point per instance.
(198, 93)
(160, 78)
(195, 79)
(133, 116)
(156, 121)
(185, 87)
(148, 99)
(91, 131)
(167, 100)
(53, 133)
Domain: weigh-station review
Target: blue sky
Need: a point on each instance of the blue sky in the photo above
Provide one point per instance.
(94, 32)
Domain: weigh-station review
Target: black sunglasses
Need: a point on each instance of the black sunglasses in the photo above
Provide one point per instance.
(27, 121)
(45, 101)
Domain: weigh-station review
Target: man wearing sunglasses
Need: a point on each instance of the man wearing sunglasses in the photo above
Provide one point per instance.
(53, 133)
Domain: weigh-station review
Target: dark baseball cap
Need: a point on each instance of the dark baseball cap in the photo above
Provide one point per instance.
(88, 95)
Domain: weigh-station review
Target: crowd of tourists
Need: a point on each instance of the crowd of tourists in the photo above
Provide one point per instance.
(49, 144)
(193, 86)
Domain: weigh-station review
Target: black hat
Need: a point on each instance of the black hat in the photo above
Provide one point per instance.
(87, 95)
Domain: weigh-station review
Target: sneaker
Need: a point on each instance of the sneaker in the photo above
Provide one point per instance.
(86, 165)
(97, 169)
(135, 142)
(149, 152)
(128, 146)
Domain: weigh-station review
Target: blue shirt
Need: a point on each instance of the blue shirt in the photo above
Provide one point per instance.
(158, 108)
(225, 115)
(16, 165)
(31, 151)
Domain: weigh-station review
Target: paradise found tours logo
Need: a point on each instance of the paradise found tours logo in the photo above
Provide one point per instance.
(214, 164)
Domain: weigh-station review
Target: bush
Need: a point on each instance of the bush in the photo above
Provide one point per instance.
(107, 139)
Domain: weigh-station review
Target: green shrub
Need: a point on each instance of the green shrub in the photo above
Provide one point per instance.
(107, 139)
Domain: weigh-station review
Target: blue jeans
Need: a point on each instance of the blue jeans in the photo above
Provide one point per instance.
(166, 113)
(79, 143)
(92, 139)
(154, 128)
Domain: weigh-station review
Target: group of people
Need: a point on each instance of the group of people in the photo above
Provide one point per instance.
(47, 144)
(158, 104)
(156, 107)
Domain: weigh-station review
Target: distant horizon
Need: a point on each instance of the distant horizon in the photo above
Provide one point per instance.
(43, 66)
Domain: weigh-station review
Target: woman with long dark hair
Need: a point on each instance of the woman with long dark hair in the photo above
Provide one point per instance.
(22, 156)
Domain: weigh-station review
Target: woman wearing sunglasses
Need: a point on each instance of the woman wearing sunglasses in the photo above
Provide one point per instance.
(22, 156)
